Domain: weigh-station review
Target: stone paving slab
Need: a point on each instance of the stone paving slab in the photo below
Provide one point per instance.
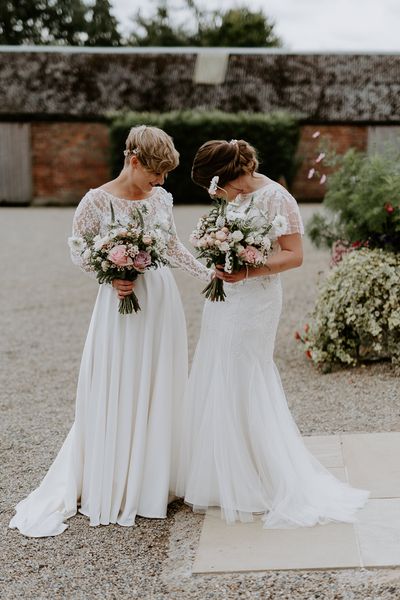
(373, 462)
(373, 541)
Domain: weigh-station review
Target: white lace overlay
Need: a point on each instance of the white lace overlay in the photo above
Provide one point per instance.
(93, 214)
(272, 199)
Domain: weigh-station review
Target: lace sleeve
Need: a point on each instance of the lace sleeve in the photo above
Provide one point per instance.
(178, 255)
(280, 201)
(86, 222)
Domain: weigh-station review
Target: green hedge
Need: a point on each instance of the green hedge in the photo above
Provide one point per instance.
(274, 135)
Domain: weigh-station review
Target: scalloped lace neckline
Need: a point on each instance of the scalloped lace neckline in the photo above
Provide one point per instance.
(243, 198)
(151, 195)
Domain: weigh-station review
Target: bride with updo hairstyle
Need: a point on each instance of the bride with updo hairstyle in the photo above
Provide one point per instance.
(241, 448)
(227, 160)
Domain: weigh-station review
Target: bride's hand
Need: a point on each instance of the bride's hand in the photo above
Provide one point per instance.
(124, 288)
(230, 277)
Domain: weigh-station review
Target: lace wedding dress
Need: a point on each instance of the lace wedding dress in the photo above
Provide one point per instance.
(119, 459)
(242, 450)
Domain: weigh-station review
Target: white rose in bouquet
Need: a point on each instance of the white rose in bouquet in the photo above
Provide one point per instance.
(220, 222)
(266, 242)
(147, 239)
(76, 243)
(237, 236)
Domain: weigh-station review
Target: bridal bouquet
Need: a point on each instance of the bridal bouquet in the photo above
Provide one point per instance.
(234, 242)
(124, 252)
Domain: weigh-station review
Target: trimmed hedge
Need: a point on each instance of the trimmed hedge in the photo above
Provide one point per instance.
(274, 135)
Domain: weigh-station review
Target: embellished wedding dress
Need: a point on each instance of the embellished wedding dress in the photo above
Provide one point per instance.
(120, 458)
(242, 450)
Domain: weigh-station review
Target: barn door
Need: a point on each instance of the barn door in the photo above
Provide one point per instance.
(15, 163)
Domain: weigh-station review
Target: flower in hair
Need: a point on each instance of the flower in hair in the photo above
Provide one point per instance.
(129, 152)
(233, 142)
(212, 190)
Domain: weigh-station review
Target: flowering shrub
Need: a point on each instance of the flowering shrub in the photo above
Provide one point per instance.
(357, 313)
(362, 204)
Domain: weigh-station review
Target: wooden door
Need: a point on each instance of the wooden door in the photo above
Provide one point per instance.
(15, 163)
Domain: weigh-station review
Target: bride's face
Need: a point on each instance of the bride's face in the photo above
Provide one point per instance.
(144, 179)
(235, 187)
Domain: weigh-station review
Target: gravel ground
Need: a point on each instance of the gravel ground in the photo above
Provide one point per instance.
(46, 305)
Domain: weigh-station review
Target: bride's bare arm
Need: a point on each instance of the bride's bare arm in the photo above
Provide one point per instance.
(289, 256)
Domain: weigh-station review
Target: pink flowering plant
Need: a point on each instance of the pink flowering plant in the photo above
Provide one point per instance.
(361, 207)
(234, 242)
(356, 317)
(126, 251)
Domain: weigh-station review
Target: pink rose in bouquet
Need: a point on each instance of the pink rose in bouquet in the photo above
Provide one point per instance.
(234, 241)
(125, 251)
(142, 260)
(251, 255)
(119, 256)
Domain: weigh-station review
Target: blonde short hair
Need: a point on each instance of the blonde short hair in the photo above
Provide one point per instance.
(153, 147)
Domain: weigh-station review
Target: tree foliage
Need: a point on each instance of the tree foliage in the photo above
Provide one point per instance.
(102, 26)
(158, 30)
(66, 22)
(91, 23)
(237, 27)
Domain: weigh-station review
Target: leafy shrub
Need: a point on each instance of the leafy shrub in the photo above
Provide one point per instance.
(362, 202)
(357, 312)
(275, 136)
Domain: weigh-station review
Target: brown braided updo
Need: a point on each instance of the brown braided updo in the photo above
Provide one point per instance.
(228, 160)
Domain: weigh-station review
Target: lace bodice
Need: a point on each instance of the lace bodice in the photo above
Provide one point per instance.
(272, 199)
(93, 214)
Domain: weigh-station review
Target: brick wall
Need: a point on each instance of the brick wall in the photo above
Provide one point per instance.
(67, 160)
(341, 137)
(70, 158)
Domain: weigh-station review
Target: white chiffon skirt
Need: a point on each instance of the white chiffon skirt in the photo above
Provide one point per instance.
(119, 459)
(241, 449)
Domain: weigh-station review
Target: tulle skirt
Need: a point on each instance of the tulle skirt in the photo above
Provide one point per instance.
(119, 458)
(241, 448)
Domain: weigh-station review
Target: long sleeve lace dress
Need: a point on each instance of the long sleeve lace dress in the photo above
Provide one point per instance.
(119, 459)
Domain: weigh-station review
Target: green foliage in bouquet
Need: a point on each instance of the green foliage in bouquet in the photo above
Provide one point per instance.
(362, 202)
(275, 136)
(357, 313)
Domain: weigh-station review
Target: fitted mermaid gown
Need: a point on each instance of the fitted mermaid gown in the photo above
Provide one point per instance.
(120, 457)
(241, 449)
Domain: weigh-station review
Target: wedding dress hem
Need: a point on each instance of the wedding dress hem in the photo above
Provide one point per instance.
(273, 519)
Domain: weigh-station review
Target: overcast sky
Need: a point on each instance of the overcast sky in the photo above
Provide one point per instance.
(308, 24)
